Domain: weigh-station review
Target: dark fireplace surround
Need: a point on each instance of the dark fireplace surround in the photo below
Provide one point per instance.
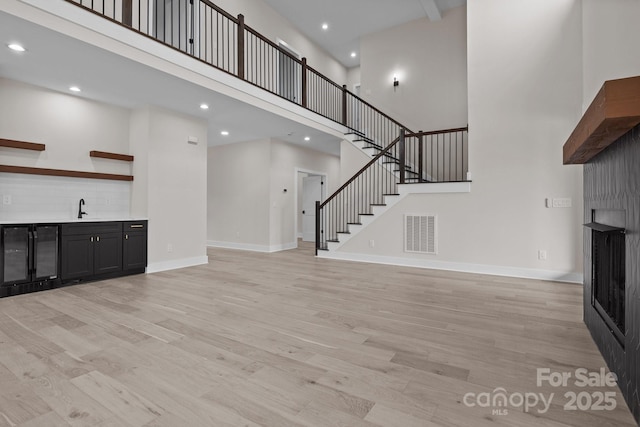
(612, 185)
(607, 142)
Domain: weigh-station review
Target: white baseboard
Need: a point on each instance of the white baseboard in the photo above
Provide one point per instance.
(494, 270)
(174, 264)
(252, 247)
(300, 235)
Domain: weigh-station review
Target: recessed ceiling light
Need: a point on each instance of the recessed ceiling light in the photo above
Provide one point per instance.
(16, 47)
(306, 138)
(204, 106)
(224, 133)
(325, 26)
(353, 54)
(74, 89)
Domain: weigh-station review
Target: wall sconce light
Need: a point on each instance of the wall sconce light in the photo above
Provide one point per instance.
(395, 83)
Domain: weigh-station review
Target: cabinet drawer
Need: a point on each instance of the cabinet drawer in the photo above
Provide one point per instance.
(129, 226)
(91, 228)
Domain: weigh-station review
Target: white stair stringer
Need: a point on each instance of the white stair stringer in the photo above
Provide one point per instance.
(365, 220)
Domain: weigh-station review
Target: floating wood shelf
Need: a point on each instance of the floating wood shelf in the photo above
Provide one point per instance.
(10, 143)
(112, 156)
(614, 111)
(60, 172)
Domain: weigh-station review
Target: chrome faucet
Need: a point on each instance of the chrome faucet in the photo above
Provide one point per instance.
(80, 213)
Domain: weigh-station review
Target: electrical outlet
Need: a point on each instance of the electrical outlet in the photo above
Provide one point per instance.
(542, 255)
(169, 247)
(6, 199)
(107, 202)
(372, 243)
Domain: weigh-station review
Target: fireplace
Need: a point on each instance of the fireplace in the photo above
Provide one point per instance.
(607, 142)
(608, 258)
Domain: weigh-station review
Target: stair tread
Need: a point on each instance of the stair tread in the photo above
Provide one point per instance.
(354, 223)
(333, 240)
(391, 194)
(343, 232)
(378, 204)
(371, 143)
(407, 171)
(367, 214)
(364, 138)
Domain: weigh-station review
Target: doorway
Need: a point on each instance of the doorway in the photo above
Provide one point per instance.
(311, 187)
(289, 73)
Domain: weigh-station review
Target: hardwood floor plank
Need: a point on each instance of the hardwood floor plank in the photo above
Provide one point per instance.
(389, 417)
(134, 409)
(286, 339)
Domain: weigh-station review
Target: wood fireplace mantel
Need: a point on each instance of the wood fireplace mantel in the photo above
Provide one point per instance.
(614, 111)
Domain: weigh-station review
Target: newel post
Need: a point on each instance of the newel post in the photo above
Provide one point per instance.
(318, 231)
(401, 155)
(304, 82)
(344, 105)
(241, 46)
(420, 157)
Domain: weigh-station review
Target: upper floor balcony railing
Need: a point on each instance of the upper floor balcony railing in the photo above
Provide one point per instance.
(205, 32)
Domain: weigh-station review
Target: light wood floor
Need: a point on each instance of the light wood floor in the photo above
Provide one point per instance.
(289, 340)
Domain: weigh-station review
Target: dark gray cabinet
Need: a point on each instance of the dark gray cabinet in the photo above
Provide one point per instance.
(91, 249)
(44, 256)
(134, 246)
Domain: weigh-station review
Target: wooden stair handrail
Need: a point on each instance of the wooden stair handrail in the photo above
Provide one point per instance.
(360, 172)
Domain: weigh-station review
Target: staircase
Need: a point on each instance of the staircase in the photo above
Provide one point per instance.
(410, 158)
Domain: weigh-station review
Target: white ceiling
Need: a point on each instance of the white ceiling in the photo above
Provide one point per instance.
(56, 62)
(349, 20)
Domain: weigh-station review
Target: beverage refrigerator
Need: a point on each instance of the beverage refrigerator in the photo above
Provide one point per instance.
(29, 258)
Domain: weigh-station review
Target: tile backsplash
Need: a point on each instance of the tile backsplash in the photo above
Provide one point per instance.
(37, 197)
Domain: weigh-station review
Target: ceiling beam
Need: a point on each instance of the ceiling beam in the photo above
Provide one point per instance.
(431, 9)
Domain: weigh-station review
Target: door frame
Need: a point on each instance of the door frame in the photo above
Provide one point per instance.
(297, 213)
(297, 84)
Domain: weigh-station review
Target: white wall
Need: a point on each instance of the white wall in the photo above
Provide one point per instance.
(70, 127)
(176, 186)
(263, 18)
(252, 210)
(430, 60)
(238, 193)
(523, 104)
(286, 159)
(353, 78)
(610, 36)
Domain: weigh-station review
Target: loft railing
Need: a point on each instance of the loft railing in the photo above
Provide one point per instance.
(437, 156)
(206, 32)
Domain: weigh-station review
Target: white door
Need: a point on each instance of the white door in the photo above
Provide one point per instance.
(289, 74)
(311, 192)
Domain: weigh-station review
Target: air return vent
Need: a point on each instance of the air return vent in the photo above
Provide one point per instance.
(420, 234)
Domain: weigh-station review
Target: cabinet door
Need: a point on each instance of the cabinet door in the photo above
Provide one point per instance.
(15, 255)
(135, 251)
(45, 251)
(108, 253)
(76, 254)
